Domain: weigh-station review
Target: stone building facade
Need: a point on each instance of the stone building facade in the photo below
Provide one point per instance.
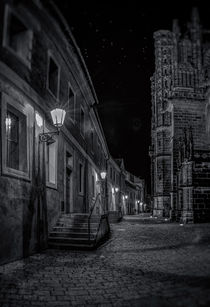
(41, 68)
(180, 122)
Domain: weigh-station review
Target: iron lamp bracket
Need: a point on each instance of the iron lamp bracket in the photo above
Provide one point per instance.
(47, 137)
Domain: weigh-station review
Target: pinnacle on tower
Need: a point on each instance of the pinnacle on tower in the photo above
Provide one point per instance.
(175, 27)
(195, 16)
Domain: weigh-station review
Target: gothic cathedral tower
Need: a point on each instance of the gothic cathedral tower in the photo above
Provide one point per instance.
(178, 111)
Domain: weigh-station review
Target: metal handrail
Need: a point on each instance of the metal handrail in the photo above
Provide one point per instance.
(91, 212)
(103, 216)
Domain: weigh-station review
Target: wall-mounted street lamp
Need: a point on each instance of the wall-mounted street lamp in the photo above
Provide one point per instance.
(116, 189)
(58, 117)
(103, 175)
(126, 196)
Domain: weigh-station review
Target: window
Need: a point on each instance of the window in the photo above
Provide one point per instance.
(51, 163)
(71, 102)
(81, 178)
(82, 122)
(93, 185)
(53, 77)
(69, 160)
(17, 37)
(15, 138)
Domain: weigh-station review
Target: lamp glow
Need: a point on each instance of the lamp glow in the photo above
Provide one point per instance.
(39, 120)
(8, 123)
(103, 175)
(126, 196)
(58, 117)
(116, 189)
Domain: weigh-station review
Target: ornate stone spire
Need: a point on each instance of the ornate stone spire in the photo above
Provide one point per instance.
(195, 16)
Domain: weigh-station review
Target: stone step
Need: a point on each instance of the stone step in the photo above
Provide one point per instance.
(71, 232)
(75, 225)
(74, 229)
(67, 240)
(72, 220)
(74, 246)
(68, 234)
(80, 217)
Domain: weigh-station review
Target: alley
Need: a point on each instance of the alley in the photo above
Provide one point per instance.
(145, 263)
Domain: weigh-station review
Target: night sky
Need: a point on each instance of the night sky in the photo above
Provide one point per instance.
(116, 41)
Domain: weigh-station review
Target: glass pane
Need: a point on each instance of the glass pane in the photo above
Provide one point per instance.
(52, 163)
(53, 77)
(12, 133)
(71, 103)
(16, 140)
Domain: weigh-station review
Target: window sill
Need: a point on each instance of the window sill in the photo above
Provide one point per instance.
(9, 172)
(51, 186)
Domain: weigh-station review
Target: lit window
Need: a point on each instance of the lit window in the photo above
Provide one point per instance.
(17, 37)
(51, 164)
(93, 185)
(53, 77)
(16, 140)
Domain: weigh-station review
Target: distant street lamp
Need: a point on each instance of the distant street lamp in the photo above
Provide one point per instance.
(58, 117)
(103, 186)
(116, 189)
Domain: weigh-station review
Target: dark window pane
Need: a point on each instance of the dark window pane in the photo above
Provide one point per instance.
(71, 103)
(82, 121)
(53, 77)
(19, 38)
(80, 178)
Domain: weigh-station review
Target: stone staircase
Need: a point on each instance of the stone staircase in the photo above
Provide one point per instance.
(71, 232)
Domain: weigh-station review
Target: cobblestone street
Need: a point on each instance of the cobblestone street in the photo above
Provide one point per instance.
(145, 263)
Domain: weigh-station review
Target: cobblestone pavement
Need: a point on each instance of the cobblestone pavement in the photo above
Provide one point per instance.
(144, 264)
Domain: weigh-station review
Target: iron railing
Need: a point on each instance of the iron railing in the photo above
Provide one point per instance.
(103, 225)
(91, 212)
